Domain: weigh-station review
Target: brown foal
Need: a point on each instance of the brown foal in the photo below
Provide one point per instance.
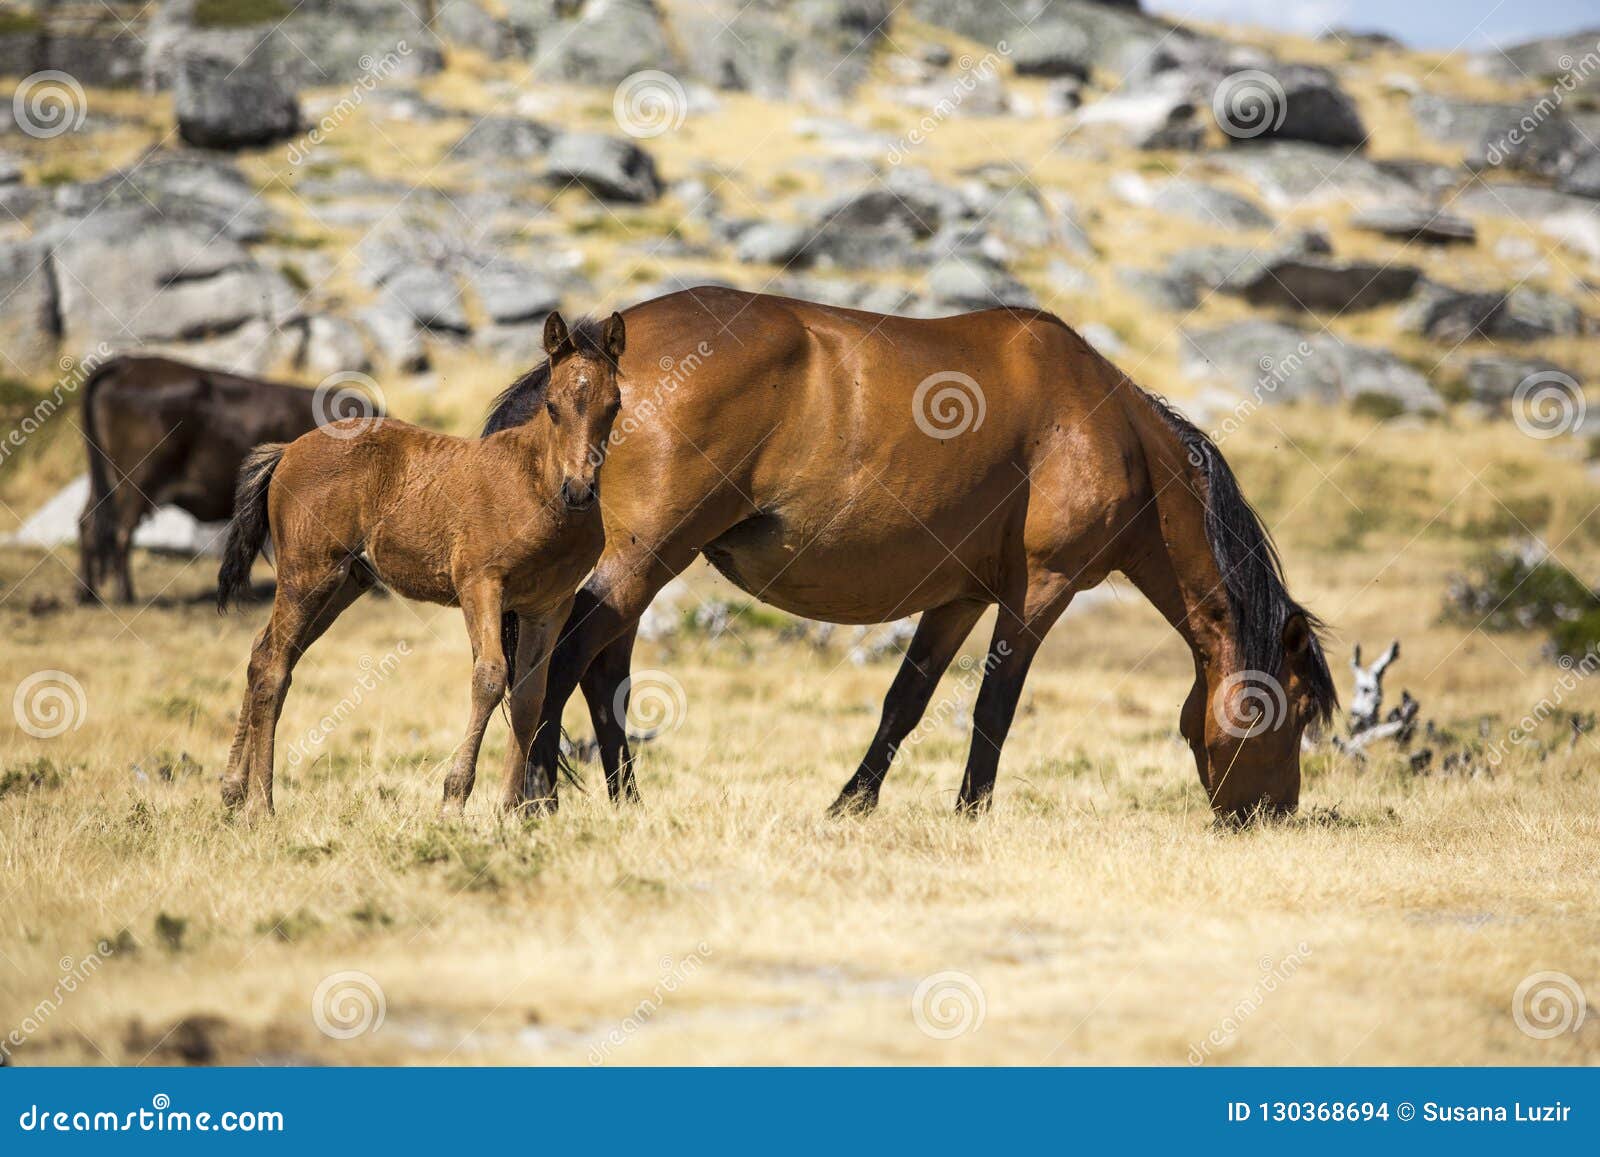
(508, 523)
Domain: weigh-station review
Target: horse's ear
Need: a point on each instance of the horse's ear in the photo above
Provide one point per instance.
(614, 337)
(555, 334)
(1296, 636)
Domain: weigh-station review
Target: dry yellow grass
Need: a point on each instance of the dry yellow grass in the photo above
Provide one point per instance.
(1096, 910)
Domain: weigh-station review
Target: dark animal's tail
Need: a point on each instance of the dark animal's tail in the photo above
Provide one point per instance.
(510, 633)
(101, 526)
(248, 530)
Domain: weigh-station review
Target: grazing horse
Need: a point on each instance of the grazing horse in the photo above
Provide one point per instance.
(159, 431)
(508, 523)
(856, 468)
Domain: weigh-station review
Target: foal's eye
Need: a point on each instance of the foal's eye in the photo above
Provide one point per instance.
(550, 408)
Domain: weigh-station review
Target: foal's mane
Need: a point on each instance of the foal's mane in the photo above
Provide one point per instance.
(1251, 569)
(515, 404)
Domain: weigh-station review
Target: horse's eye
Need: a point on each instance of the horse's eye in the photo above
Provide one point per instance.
(550, 408)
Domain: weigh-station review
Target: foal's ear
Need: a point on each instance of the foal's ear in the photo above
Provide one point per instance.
(555, 334)
(614, 337)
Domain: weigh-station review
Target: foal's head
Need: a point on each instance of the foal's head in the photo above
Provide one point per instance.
(581, 401)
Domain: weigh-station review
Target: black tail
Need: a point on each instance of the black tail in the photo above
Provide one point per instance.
(510, 632)
(101, 528)
(248, 530)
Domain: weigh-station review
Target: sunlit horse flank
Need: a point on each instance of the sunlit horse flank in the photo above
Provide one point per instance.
(508, 523)
(796, 462)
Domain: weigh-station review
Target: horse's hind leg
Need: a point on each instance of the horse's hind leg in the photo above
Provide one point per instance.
(605, 688)
(128, 508)
(301, 612)
(358, 580)
(1016, 640)
(939, 635)
(481, 606)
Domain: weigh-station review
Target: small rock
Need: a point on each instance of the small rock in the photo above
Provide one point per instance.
(610, 168)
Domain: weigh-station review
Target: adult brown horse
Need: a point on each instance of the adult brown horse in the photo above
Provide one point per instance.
(161, 431)
(856, 468)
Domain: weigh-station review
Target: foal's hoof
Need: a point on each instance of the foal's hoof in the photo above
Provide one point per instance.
(232, 794)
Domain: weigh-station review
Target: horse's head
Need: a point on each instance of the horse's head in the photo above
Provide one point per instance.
(581, 401)
(1253, 723)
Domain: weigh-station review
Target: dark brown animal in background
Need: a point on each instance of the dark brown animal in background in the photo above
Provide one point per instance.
(857, 468)
(508, 523)
(158, 432)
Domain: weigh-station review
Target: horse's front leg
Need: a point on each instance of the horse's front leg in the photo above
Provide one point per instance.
(526, 783)
(481, 604)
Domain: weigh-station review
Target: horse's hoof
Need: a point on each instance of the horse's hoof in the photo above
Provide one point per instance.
(232, 795)
(853, 803)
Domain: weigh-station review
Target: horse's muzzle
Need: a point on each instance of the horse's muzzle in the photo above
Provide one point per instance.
(579, 495)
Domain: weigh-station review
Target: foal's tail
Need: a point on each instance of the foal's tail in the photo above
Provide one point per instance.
(248, 530)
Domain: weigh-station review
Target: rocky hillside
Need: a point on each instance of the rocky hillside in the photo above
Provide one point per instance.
(370, 185)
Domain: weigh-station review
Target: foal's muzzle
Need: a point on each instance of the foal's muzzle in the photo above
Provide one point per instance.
(579, 495)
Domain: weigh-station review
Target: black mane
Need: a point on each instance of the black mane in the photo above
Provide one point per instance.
(1252, 571)
(515, 404)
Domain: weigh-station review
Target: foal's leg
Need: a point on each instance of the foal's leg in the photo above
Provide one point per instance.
(1016, 640)
(357, 582)
(940, 633)
(301, 609)
(605, 688)
(526, 783)
(480, 604)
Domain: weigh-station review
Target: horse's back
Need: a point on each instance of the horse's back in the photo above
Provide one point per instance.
(903, 453)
